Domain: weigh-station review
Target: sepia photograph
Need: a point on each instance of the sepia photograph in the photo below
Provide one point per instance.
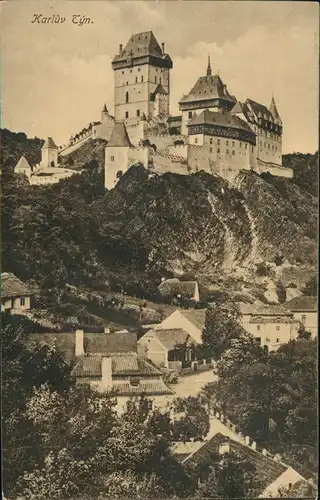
(159, 252)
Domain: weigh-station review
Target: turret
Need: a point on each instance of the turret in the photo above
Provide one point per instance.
(104, 113)
(273, 110)
(116, 155)
(209, 70)
(49, 153)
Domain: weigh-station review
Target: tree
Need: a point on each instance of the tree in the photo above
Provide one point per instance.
(311, 288)
(221, 327)
(243, 352)
(303, 333)
(278, 258)
(262, 269)
(191, 419)
(281, 292)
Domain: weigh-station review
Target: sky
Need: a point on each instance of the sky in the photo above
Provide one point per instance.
(55, 78)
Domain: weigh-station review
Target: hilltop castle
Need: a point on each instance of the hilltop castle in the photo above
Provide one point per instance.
(215, 132)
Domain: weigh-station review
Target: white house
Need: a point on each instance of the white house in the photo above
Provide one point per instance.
(305, 310)
(271, 325)
(175, 288)
(15, 295)
(191, 321)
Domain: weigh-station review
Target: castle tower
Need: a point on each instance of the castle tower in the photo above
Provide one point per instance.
(116, 155)
(141, 79)
(273, 110)
(104, 113)
(49, 154)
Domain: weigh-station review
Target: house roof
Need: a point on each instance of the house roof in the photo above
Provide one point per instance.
(267, 469)
(208, 87)
(49, 143)
(160, 89)
(122, 364)
(142, 44)
(11, 286)
(172, 337)
(151, 387)
(119, 136)
(263, 310)
(23, 164)
(174, 284)
(302, 303)
(94, 343)
(260, 110)
(196, 316)
(207, 117)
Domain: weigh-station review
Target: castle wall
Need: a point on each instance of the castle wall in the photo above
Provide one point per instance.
(274, 169)
(103, 130)
(269, 146)
(76, 144)
(162, 163)
(161, 141)
(181, 150)
(116, 161)
(49, 157)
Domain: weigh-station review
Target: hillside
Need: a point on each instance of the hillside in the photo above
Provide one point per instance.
(93, 150)
(151, 226)
(14, 145)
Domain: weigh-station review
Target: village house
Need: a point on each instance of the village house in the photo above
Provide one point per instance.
(174, 288)
(170, 348)
(304, 309)
(271, 325)
(271, 472)
(109, 362)
(191, 321)
(15, 295)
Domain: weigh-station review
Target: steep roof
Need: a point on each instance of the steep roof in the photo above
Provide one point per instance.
(196, 316)
(263, 310)
(267, 469)
(260, 110)
(207, 117)
(273, 110)
(172, 338)
(49, 143)
(23, 164)
(11, 286)
(208, 87)
(119, 136)
(150, 387)
(140, 45)
(160, 89)
(302, 303)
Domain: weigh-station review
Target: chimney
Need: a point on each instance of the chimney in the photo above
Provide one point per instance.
(106, 330)
(106, 373)
(224, 448)
(79, 343)
(162, 47)
(254, 445)
(120, 49)
(247, 440)
(264, 452)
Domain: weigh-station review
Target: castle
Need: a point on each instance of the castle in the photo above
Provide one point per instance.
(215, 132)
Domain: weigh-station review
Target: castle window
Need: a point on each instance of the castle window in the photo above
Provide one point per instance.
(127, 83)
(277, 328)
(196, 140)
(258, 328)
(233, 143)
(233, 152)
(218, 141)
(136, 79)
(127, 96)
(218, 150)
(210, 150)
(141, 78)
(240, 144)
(190, 114)
(123, 72)
(258, 340)
(155, 79)
(127, 114)
(277, 340)
(227, 143)
(139, 69)
(112, 158)
(130, 70)
(252, 149)
(227, 151)
(211, 141)
(22, 301)
(303, 319)
(138, 112)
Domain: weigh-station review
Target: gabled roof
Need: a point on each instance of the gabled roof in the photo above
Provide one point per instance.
(267, 469)
(122, 365)
(208, 87)
(11, 286)
(150, 387)
(260, 110)
(263, 310)
(172, 338)
(23, 164)
(49, 143)
(160, 89)
(302, 303)
(207, 117)
(196, 316)
(119, 136)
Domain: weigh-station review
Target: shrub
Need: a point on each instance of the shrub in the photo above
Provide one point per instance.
(262, 269)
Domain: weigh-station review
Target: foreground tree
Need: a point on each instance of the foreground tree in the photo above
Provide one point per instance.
(191, 419)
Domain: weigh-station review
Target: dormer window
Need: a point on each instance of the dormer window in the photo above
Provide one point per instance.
(134, 382)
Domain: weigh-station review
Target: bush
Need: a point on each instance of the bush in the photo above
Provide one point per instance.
(278, 259)
(262, 269)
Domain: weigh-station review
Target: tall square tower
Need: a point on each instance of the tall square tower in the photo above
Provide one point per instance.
(142, 79)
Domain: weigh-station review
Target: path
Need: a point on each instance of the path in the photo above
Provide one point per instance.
(190, 385)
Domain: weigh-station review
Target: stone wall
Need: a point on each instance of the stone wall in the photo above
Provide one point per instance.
(74, 145)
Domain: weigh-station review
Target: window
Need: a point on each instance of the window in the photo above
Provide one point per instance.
(138, 69)
(22, 301)
(155, 79)
(134, 382)
(127, 83)
(130, 70)
(233, 143)
(303, 319)
(190, 114)
(227, 151)
(233, 152)
(218, 141)
(127, 114)
(277, 340)
(245, 146)
(277, 328)
(196, 140)
(127, 96)
(258, 340)
(136, 79)
(240, 144)
(112, 158)
(210, 150)
(218, 150)
(123, 72)
(258, 328)
(227, 143)
(138, 112)
(211, 141)
(141, 78)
